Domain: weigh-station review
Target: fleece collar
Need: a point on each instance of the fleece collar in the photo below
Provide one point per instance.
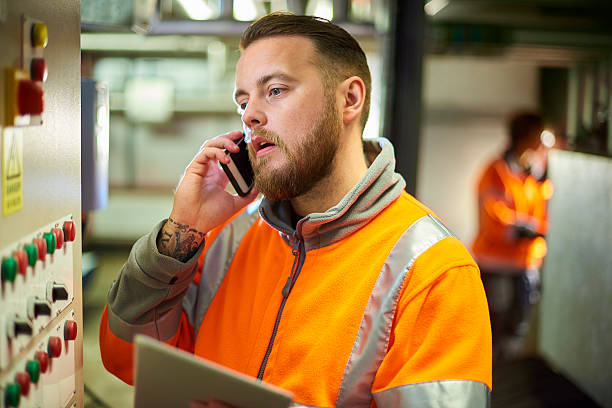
(378, 188)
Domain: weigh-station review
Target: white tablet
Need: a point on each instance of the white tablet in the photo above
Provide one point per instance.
(168, 377)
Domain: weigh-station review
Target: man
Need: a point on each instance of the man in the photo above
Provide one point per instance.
(344, 289)
(513, 194)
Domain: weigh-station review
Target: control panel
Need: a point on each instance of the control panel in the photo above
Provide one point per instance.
(37, 323)
(41, 312)
(43, 374)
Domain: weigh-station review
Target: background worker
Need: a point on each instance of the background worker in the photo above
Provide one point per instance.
(513, 195)
(342, 288)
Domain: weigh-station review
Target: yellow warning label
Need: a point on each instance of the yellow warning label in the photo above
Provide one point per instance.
(12, 170)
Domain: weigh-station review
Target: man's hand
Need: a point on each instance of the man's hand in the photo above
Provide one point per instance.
(201, 201)
(525, 230)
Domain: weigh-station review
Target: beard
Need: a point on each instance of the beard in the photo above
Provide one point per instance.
(307, 163)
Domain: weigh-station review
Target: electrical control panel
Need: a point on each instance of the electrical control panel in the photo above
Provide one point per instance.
(42, 374)
(37, 285)
(41, 339)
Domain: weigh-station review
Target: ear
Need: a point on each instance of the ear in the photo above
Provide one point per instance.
(353, 92)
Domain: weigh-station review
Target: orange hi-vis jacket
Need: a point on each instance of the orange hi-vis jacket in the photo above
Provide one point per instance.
(370, 304)
(509, 198)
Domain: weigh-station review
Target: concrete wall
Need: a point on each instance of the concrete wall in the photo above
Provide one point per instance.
(575, 318)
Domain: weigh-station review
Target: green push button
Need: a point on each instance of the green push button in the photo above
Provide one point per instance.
(32, 252)
(50, 238)
(33, 368)
(13, 393)
(9, 269)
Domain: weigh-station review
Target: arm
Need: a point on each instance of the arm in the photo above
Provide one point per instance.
(178, 241)
(439, 353)
(493, 198)
(500, 200)
(147, 295)
(146, 299)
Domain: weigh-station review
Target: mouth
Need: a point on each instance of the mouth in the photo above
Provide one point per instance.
(262, 145)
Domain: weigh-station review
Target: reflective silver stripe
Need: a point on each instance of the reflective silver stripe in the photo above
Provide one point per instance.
(436, 394)
(373, 335)
(217, 261)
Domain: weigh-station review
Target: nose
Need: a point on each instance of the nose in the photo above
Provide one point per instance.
(253, 115)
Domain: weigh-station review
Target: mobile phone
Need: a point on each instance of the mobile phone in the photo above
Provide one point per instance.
(239, 170)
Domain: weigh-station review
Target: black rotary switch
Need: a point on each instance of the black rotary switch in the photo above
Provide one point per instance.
(38, 307)
(19, 325)
(56, 291)
(42, 309)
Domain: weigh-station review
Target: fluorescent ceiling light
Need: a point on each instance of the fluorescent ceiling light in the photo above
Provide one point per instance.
(135, 42)
(321, 8)
(197, 9)
(434, 6)
(244, 10)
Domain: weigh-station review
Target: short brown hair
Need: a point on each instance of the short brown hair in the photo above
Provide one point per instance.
(523, 126)
(340, 54)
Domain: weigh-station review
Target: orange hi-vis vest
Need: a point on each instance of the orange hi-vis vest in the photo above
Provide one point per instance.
(509, 197)
(373, 303)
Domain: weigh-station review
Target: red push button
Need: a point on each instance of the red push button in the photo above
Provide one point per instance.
(43, 359)
(29, 98)
(38, 70)
(54, 347)
(23, 379)
(59, 237)
(41, 245)
(22, 261)
(69, 231)
(70, 330)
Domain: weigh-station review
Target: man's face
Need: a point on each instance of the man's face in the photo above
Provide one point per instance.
(296, 124)
(532, 153)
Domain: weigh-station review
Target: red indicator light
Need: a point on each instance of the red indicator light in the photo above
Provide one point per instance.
(29, 98)
(59, 237)
(69, 231)
(41, 245)
(38, 70)
(23, 379)
(43, 359)
(70, 330)
(54, 347)
(22, 260)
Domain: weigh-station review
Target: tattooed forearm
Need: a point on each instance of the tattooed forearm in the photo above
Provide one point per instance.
(165, 237)
(179, 240)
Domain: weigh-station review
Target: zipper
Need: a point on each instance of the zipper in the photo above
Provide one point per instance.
(295, 271)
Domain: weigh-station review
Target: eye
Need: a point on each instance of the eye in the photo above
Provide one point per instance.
(275, 91)
(241, 108)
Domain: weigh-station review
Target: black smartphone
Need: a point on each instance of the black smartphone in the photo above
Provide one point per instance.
(239, 170)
